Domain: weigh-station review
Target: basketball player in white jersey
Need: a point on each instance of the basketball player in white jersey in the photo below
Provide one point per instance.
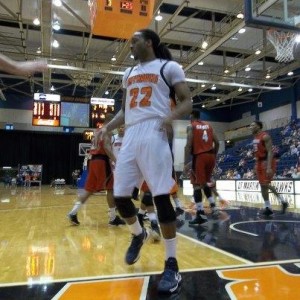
(145, 153)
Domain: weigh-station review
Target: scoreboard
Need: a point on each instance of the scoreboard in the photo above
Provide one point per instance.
(99, 108)
(119, 18)
(46, 110)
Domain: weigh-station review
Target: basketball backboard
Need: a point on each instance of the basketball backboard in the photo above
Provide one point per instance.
(277, 14)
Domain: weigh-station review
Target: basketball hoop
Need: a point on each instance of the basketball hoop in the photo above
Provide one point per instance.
(284, 43)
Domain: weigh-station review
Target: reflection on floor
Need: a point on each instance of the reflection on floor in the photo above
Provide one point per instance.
(269, 249)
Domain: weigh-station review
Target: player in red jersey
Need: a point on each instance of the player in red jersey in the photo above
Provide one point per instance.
(100, 178)
(265, 165)
(203, 145)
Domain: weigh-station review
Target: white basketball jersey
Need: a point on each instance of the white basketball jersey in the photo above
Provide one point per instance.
(147, 94)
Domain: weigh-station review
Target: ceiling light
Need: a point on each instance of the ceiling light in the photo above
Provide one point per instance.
(36, 21)
(57, 3)
(290, 73)
(226, 71)
(52, 88)
(203, 105)
(106, 92)
(213, 87)
(218, 99)
(203, 85)
(113, 58)
(38, 51)
(247, 69)
(257, 52)
(131, 56)
(234, 38)
(240, 89)
(268, 76)
(250, 90)
(200, 63)
(158, 17)
(242, 30)
(55, 44)
(204, 45)
(56, 25)
(240, 16)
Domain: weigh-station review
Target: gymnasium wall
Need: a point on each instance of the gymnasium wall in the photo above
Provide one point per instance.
(274, 112)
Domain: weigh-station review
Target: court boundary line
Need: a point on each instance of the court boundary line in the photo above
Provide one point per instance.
(148, 274)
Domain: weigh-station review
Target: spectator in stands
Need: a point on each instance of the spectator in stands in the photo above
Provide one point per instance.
(236, 175)
(296, 173)
(75, 175)
(265, 165)
(293, 150)
(229, 174)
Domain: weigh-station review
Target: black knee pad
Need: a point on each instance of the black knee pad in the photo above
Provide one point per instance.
(207, 191)
(135, 193)
(125, 207)
(165, 210)
(198, 195)
(147, 199)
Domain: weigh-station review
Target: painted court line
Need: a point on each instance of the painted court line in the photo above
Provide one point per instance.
(215, 249)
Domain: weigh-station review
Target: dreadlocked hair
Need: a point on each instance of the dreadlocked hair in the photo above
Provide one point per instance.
(160, 50)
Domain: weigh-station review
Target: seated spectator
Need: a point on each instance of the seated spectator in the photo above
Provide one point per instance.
(296, 173)
(236, 175)
(229, 174)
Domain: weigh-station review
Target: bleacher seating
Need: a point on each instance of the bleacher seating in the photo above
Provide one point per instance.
(230, 158)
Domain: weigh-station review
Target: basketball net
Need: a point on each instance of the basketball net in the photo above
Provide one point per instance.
(284, 43)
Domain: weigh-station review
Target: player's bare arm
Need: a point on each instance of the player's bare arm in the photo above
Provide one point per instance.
(185, 105)
(268, 145)
(216, 143)
(188, 146)
(108, 148)
(22, 67)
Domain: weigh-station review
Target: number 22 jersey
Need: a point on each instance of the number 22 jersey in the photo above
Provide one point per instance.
(147, 93)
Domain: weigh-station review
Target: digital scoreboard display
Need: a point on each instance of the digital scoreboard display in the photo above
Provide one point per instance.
(99, 108)
(127, 16)
(46, 114)
(46, 110)
(126, 6)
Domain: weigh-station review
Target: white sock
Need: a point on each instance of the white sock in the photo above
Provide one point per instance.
(268, 204)
(112, 213)
(135, 228)
(152, 216)
(211, 200)
(141, 211)
(199, 206)
(170, 245)
(75, 208)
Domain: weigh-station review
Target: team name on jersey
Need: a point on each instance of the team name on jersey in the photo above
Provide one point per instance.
(153, 78)
(203, 127)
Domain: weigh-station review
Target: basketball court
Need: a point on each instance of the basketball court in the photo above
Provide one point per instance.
(240, 255)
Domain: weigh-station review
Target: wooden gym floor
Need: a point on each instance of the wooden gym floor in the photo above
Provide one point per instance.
(238, 256)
